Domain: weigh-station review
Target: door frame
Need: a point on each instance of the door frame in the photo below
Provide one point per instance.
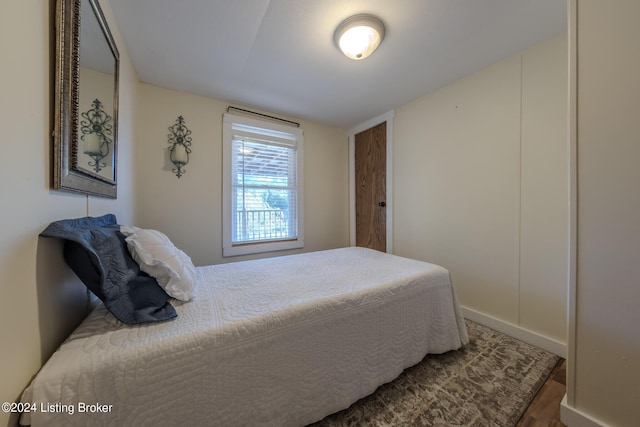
(385, 117)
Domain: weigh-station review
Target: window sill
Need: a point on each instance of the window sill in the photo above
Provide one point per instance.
(261, 247)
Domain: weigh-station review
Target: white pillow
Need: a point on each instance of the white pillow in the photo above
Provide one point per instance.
(159, 258)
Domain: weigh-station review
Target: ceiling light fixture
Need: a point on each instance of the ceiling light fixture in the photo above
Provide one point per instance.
(359, 35)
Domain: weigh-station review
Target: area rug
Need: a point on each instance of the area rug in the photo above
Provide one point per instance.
(489, 382)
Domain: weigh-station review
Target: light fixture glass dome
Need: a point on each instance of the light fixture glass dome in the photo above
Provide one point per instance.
(359, 35)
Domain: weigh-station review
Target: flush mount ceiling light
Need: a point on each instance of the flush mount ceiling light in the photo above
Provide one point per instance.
(359, 35)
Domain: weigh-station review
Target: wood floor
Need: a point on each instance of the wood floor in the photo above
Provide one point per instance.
(544, 410)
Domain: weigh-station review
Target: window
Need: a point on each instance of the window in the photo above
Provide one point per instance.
(262, 186)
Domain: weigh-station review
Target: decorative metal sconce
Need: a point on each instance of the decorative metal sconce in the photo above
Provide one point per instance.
(180, 143)
(96, 128)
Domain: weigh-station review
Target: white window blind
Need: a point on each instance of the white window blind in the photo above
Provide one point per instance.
(264, 192)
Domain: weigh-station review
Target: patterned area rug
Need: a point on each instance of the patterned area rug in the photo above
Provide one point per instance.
(489, 382)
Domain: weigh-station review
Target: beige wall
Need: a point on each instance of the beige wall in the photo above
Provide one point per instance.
(40, 299)
(481, 187)
(544, 190)
(189, 209)
(604, 374)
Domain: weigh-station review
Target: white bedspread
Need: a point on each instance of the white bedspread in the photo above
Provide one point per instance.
(280, 342)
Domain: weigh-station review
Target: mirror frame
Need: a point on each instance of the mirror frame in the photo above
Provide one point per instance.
(67, 175)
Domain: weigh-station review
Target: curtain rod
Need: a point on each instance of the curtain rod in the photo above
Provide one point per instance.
(262, 115)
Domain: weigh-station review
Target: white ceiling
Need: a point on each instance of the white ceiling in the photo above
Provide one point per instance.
(279, 55)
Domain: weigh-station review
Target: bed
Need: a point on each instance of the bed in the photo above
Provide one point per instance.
(283, 341)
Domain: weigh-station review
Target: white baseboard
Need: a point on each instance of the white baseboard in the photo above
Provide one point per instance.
(575, 418)
(518, 332)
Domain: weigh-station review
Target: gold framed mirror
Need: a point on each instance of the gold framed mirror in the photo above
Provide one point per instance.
(86, 101)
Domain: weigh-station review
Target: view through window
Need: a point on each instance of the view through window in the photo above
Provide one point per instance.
(264, 191)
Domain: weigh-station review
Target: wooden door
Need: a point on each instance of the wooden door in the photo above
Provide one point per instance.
(371, 187)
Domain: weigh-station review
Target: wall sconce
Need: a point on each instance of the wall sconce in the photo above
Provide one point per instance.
(96, 132)
(180, 143)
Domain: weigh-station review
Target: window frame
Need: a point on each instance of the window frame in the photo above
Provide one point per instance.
(234, 249)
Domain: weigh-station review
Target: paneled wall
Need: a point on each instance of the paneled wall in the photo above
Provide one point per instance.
(604, 367)
(481, 187)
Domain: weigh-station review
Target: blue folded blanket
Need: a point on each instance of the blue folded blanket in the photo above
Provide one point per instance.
(96, 251)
